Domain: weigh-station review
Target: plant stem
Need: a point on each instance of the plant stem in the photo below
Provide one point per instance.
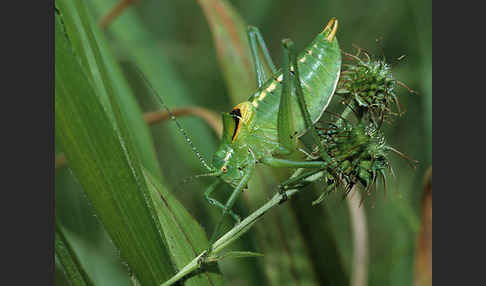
(235, 232)
(190, 267)
(360, 244)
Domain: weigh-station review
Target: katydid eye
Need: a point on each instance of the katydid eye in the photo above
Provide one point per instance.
(224, 169)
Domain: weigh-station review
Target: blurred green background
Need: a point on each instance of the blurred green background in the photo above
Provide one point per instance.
(302, 245)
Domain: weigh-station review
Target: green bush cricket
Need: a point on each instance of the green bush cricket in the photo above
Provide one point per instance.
(287, 104)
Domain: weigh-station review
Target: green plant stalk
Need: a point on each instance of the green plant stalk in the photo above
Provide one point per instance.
(237, 231)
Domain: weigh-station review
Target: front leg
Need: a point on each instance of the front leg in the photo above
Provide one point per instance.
(214, 202)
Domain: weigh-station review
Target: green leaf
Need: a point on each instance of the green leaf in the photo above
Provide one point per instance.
(231, 41)
(106, 77)
(66, 257)
(103, 159)
(185, 237)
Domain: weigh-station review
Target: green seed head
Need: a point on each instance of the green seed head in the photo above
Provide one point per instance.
(360, 152)
(368, 85)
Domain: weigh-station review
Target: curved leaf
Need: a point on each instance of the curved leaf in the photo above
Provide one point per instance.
(105, 162)
(106, 77)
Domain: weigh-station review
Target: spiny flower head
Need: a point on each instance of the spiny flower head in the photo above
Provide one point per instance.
(369, 87)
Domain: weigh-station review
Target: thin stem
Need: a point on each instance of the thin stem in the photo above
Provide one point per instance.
(233, 234)
(360, 244)
(189, 268)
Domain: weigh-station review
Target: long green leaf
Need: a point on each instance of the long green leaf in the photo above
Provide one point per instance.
(103, 159)
(106, 77)
(185, 237)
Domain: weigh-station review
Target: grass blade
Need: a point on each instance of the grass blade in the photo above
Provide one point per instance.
(106, 76)
(103, 159)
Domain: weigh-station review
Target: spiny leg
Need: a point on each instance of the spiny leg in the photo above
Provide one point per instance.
(256, 40)
(215, 202)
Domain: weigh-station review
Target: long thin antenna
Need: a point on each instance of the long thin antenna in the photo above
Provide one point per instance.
(172, 117)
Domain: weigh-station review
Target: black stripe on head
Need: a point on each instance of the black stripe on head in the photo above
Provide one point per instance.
(236, 113)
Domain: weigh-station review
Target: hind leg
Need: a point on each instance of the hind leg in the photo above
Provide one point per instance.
(262, 65)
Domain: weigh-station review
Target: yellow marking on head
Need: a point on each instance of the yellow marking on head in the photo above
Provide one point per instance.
(302, 59)
(280, 78)
(331, 27)
(245, 112)
(271, 87)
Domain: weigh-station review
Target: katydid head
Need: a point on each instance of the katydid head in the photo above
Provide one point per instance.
(232, 156)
